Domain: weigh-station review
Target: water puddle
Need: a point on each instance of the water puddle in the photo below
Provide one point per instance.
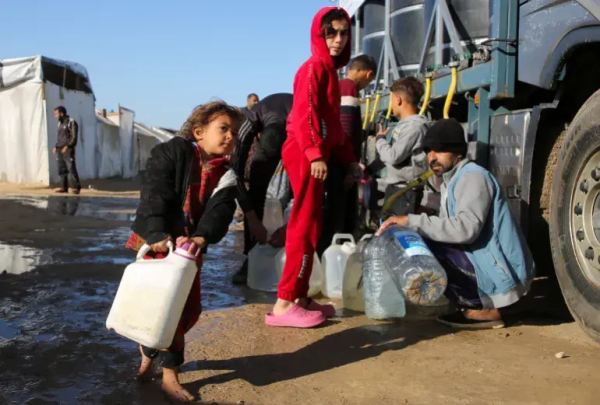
(59, 283)
(16, 259)
(7, 331)
(113, 209)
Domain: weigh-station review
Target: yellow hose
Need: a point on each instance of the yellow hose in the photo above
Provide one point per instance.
(366, 121)
(450, 95)
(427, 95)
(387, 206)
(375, 107)
(389, 111)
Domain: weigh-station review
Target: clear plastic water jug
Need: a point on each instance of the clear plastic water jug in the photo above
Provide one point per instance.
(316, 277)
(262, 272)
(413, 268)
(273, 215)
(352, 294)
(334, 264)
(382, 298)
(151, 297)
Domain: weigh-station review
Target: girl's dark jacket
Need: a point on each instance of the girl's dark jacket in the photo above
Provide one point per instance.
(164, 187)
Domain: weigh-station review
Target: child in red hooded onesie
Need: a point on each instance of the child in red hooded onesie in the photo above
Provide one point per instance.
(314, 133)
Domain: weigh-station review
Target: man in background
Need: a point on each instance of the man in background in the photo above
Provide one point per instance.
(251, 101)
(66, 142)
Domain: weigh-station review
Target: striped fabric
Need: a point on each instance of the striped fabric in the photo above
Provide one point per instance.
(350, 114)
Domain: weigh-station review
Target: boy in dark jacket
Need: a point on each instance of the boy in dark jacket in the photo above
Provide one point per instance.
(188, 195)
(314, 133)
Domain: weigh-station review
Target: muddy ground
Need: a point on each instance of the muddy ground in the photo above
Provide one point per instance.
(61, 259)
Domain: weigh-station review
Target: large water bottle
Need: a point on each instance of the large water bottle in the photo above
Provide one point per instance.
(262, 274)
(352, 294)
(382, 298)
(412, 266)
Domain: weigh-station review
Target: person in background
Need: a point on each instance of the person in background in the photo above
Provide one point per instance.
(314, 134)
(188, 194)
(341, 204)
(251, 101)
(267, 118)
(474, 237)
(66, 143)
(403, 155)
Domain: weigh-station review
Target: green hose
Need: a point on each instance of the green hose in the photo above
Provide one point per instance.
(387, 206)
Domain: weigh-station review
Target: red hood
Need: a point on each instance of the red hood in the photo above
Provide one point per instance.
(318, 46)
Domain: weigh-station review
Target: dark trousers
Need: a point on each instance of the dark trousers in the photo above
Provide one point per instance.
(462, 287)
(173, 356)
(67, 169)
(340, 211)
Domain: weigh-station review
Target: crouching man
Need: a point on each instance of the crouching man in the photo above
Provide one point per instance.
(475, 237)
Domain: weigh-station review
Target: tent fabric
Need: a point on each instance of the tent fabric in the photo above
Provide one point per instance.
(109, 148)
(146, 138)
(126, 119)
(30, 90)
(24, 152)
(30, 69)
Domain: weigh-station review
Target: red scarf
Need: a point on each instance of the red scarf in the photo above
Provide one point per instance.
(204, 178)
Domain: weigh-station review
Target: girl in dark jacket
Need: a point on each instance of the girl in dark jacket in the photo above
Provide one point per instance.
(187, 195)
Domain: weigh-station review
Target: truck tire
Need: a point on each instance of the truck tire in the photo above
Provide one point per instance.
(575, 217)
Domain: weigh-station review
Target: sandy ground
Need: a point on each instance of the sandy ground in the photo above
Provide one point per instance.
(60, 353)
(115, 188)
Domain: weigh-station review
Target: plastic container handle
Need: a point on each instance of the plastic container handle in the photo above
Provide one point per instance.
(146, 248)
(367, 236)
(339, 236)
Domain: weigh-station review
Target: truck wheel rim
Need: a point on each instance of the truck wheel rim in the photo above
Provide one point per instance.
(585, 219)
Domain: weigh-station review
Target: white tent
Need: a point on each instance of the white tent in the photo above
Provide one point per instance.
(146, 138)
(30, 89)
(109, 148)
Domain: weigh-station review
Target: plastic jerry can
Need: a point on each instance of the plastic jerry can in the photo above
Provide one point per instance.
(273, 215)
(334, 264)
(262, 274)
(151, 297)
(316, 277)
(352, 294)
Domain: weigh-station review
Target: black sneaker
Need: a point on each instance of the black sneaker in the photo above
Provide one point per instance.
(457, 320)
(241, 277)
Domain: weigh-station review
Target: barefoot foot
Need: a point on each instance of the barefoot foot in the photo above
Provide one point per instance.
(173, 389)
(143, 373)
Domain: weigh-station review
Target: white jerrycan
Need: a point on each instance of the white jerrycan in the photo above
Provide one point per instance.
(316, 277)
(334, 264)
(262, 275)
(151, 297)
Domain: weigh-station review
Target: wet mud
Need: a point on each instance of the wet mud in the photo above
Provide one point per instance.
(61, 259)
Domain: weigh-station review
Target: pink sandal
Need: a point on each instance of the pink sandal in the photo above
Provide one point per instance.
(327, 310)
(296, 317)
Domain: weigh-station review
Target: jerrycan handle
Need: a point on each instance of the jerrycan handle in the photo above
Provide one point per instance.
(341, 236)
(146, 248)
